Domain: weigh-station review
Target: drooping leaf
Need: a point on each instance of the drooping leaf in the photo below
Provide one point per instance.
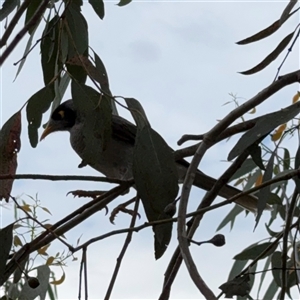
(32, 7)
(7, 7)
(10, 145)
(276, 264)
(103, 80)
(97, 113)
(98, 6)
(230, 218)
(156, 177)
(6, 239)
(265, 32)
(265, 192)
(43, 274)
(286, 13)
(272, 56)
(137, 112)
(247, 166)
(286, 159)
(239, 286)
(297, 165)
(237, 268)
(60, 90)
(263, 275)
(253, 179)
(124, 2)
(49, 51)
(77, 31)
(255, 152)
(263, 127)
(271, 291)
(254, 250)
(38, 104)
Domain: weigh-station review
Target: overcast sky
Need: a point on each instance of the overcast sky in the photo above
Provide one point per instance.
(180, 60)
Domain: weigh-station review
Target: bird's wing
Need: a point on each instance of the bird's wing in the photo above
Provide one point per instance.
(123, 130)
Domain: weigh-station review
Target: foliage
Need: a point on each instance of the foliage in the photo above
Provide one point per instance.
(26, 263)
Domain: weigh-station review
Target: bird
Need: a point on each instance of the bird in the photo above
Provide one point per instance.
(116, 160)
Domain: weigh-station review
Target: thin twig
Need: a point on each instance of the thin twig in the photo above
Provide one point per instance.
(123, 251)
(14, 21)
(62, 178)
(41, 224)
(30, 24)
(68, 222)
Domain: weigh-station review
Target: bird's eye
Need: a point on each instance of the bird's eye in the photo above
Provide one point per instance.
(62, 114)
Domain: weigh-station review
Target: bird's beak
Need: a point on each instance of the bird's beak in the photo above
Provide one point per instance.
(49, 128)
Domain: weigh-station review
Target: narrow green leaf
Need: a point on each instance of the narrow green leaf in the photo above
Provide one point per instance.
(263, 127)
(272, 56)
(276, 264)
(297, 165)
(255, 152)
(237, 268)
(265, 32)
(286, 13)
(103, 80)
(247, 166)
(78, 41)
(286, 159)
(254, 250)
(6, 239)
(98, 6)
(38, 104)
(33, 6)
(49, 49)
(97, 113)
(271, 291)
(137, 112)
(265, 192)
(7, 7)
(230, 218)
(156, 181)
(60, 91)
(263, 275)
(124, 2)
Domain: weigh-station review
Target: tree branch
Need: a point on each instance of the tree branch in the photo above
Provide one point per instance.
(30, 24)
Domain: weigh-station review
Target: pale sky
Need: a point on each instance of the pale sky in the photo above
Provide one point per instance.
(180, 60)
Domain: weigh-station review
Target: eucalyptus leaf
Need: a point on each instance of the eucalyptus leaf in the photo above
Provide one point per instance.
(247, 166)
(230, 218)
(97, 112)
(272, 56)
(264, 193)
(98, 6)
(38, 104)
(32, 7)
(6, 239)
(7, 7)
(263, 127)
(156, 181)
(254, 250)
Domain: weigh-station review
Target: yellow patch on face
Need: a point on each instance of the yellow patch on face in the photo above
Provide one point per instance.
(62, 113)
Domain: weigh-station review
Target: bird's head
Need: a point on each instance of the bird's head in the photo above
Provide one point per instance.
(62, 118)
